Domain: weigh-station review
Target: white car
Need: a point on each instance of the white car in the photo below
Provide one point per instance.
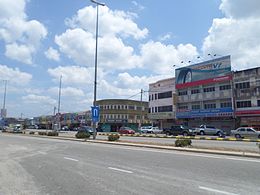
(150, 129)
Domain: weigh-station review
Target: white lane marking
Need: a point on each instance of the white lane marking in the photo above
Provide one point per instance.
(42, 152)
(72, 159)
(122, 170)
(215, 190)
(225, 157)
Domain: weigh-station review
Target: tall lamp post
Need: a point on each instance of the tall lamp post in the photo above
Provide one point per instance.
(95, 82)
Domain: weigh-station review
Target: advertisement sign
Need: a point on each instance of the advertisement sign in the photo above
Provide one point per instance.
(211, 71)
(216, 112)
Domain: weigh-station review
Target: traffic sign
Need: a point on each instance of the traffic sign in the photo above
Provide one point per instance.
(95, 113)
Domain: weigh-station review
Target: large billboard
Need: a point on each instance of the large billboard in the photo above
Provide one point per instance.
(215, 70)
(215, 112)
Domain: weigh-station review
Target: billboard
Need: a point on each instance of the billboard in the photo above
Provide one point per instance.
(215, 70)
(215, 112)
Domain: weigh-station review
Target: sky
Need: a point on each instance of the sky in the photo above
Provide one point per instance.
(139, 42)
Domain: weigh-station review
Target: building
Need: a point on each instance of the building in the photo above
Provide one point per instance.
(247, 97)
(115, 113)
(162, 100)
(205, 94)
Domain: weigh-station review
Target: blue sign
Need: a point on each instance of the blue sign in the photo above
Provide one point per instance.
(95, 113)
(217, 112)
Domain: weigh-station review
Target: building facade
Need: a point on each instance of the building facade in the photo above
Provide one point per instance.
(115, 113)
(162, 99)
(205, 94)
(247, 97)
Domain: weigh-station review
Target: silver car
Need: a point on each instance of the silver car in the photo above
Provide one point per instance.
(243, 132)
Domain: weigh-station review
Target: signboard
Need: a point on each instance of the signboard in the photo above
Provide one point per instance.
(216, 112)
(211, 71)
(95, 113)
(161, 115)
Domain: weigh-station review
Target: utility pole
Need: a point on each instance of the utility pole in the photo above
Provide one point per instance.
(141, 112)
(59, 125)
(3, 113)
(96, 56)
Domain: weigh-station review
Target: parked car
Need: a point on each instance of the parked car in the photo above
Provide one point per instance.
(209, 130)
(243, 132)
(179, 130)
(86, 129)
(126, 130)
(65, 128)
(150, 129)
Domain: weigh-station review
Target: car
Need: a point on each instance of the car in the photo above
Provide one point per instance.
(86, 129)
(126, 130)
(150, 129)
(209, 130)
(65, 128)
(179, 130)
(243, 132)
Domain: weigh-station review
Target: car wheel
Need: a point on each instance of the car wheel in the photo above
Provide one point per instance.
(237, 136)
(219, 134)
(202, 133)
(185, 134)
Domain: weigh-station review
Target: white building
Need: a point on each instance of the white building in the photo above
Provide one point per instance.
(161, 102)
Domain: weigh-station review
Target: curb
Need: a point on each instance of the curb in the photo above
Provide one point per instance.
(206, 151)
(186, 137)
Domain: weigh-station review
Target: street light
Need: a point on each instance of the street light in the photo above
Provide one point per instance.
(95, 82)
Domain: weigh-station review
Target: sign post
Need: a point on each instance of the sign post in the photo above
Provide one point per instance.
(95, 119)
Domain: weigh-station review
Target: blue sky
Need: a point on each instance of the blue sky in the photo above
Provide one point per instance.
(139, 42)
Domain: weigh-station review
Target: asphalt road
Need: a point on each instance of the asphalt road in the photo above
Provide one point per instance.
(31, 165)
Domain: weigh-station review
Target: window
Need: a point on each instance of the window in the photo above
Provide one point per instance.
(138, 108)
(156, 109)
(258, 102)
(152, 96)
(155, 96)
(131, 107)
(209, 89)
(163, 95)
(183, 92)
(183, 107)
(242, 130)
(195, 107)
(244, 85)
(225, 104)
(152, 109)
(149, 111)
(149, 97)
(118, 107)
(209, 106)
(165, 108)
(224, 87)
(194, 91)
(243, 104)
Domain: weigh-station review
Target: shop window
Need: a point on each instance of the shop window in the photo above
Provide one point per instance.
(244, 104)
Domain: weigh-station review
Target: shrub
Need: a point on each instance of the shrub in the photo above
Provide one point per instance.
(52, 133)
(31, 132)
(42, 133)
(182, 142)
(113, 137)
(82, 135)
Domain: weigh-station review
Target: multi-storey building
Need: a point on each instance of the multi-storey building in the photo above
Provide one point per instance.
(247, 97)
(204, 93)
(115, 113)
(162, 102)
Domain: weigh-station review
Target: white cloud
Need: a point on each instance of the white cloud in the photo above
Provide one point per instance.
(20, 53)
(160, 58)
(138, 5)
(74, 75)
(67, 92)
(237, 34)
(16, 31)
(38, 99)
(14, 75)
(165, 37)
(112, 53)
(115, 23)
(52, 54)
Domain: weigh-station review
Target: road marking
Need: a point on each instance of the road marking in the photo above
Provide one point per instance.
(72, 159)
(122, 170)
(215, 190)
(42, 152)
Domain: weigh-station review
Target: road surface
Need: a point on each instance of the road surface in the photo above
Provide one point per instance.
(31, 165)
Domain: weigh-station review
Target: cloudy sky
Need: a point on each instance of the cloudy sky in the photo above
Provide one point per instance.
(139, 43)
